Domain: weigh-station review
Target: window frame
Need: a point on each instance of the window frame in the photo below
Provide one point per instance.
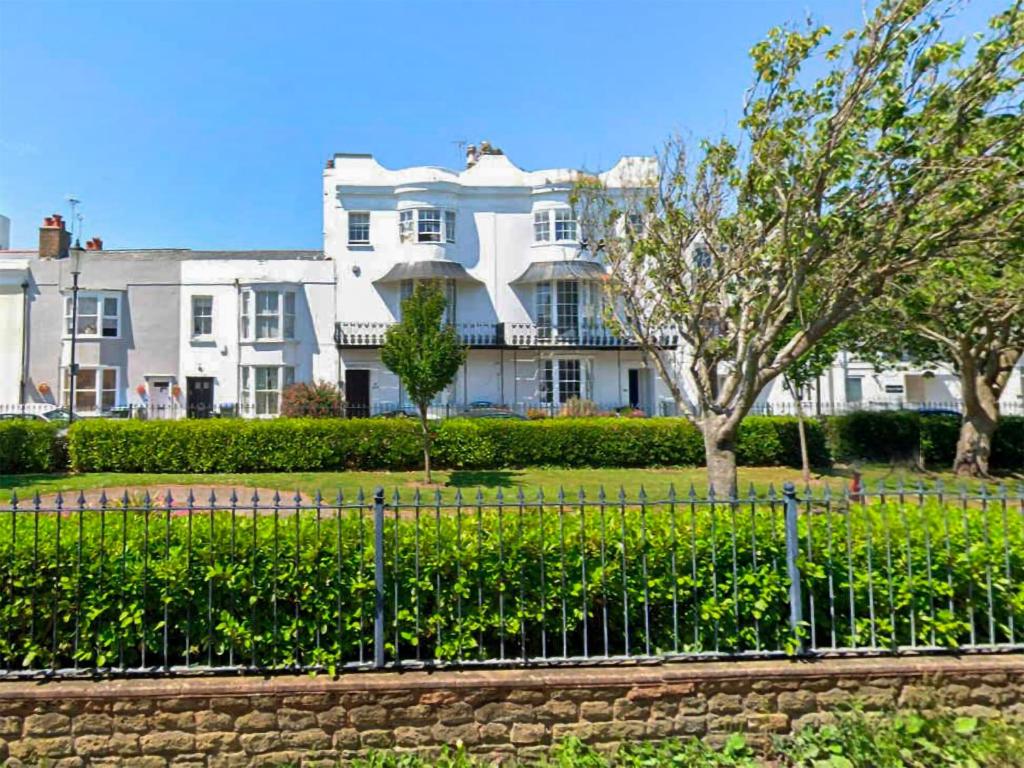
(100, 314)
(542, 224)
(282, 318)
(208, 318)
(412, 220)
(555, 373)
(258, 400)
(361, 224)
(570, 219)
(98, 389)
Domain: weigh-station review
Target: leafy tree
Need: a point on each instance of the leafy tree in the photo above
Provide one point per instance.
(424, 352)
(318, 400)
(966, 312)
(834, 187)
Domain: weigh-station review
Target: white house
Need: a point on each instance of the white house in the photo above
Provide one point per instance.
(524, 295)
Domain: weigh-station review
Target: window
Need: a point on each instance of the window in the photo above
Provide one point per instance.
(561, 379)
(428, 226)
(567, 307)
(565, 225)
(359, 228)
(634, 225)
(449, 226)
(545, 317)
(431, 225)
(99, 315)
(95, 389)
(202, 316)
(702, 256)
(854, 389)
(262, 386)
(274, 315)
(405, 223)
(406, 288)
(542, 226)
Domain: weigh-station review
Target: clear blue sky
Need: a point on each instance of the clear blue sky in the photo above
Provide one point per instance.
(207, 124)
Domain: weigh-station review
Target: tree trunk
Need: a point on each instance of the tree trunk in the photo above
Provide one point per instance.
(981, 416)
(805, 461)
(426, 442)
(720, 455)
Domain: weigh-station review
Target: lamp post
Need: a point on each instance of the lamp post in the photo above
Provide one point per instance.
(76, 270)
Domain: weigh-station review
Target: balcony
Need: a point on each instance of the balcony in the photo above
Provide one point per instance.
(369, 335)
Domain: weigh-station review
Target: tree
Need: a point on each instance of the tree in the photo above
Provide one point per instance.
(424, 352)
(831, 191)
(318, 400)
(967, 312)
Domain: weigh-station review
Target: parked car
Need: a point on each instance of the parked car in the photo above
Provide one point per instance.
(60, 416)
(491, 413)
(940, 412)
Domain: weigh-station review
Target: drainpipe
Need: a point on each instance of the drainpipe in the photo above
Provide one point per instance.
(24, 345)
(238, 346)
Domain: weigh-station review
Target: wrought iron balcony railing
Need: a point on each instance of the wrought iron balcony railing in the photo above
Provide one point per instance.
(586, 335)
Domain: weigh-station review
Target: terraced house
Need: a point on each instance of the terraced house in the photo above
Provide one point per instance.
(177, 332)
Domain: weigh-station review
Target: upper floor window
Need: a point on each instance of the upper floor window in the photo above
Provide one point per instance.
(564, 225)
(359, 228)
(268, 315)
(426, 225)
(635, 225)
(202, 316)
(99, 315)
(406, 288)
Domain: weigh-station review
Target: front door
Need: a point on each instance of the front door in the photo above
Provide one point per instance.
(357, 392)
(199, 390)
(634, 387)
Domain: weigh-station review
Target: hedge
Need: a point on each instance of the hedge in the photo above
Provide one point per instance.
(30, 446)
(283, 445)
(280, 589)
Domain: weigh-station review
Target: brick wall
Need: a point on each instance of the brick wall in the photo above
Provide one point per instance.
(312, 721)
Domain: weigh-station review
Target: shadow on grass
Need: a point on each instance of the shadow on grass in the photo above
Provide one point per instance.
(17, 481)
(484, 478)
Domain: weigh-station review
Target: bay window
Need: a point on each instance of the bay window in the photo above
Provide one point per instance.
(95, 389)
(406, 288)
(426, 225)
(564, 306)
(542, 226)
(99, 315)
(262, 386)
(564, 225)
(268, 314)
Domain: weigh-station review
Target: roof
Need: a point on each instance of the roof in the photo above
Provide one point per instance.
(543, 271)
(182, 254)
(427, 270)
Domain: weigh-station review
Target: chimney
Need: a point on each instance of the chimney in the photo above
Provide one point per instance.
(54, 240)
(96, 244)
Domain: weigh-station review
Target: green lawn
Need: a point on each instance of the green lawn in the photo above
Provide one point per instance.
(656, 482)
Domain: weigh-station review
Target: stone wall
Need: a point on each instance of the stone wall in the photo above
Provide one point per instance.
(212, 722)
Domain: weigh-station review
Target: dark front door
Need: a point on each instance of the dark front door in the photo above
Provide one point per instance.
(634, 388)
(199, 391)
(357, 392)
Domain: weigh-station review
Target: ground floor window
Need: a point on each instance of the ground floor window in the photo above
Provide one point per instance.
(561, 379)
(95, 389)
(854, 389)
(262, 386)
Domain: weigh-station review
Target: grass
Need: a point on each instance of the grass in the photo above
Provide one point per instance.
(655, 482)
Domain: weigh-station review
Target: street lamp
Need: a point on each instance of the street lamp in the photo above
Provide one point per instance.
(75, 255)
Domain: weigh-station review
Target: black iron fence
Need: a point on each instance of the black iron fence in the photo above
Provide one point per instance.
(149, 586)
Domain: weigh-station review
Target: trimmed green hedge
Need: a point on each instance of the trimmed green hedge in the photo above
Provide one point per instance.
(284, 445)
(30, 446)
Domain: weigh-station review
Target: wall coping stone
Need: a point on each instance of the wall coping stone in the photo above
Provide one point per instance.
(590, 677)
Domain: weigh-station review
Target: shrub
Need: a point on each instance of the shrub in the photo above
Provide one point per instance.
(29, 446)
(939, 433)
(1008, 444)
(298, 588)
(318, 400)
(875, 436)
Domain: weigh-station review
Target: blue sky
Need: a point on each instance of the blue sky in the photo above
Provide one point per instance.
(207, 124)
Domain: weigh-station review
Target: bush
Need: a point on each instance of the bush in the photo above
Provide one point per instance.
(939, 434)
(468, 582)
(30, 446)
(289, 445)
(1008, 444)
(875, 436)
(319, 400)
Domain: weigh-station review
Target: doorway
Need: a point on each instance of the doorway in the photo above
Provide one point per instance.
(199, 394)
(357, 392)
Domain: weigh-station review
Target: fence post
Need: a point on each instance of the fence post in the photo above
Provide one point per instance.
(796, 598)
(378, 577)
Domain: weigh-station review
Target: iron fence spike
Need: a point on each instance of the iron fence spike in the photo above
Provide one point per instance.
(36, 500)
(81, 499)
(772, 496)
(752, 493)
(561, 495)
(233, 498)
(213, 497)
(59, 501)
(479, 496)
(103, 498)
(671, 492)
(276, 499)
(318, 497)
(622, 494)
(581, 495)
(190, 499)
(601, 496)
(360, 497)
(255, 496)
(168, 499)
(711, 492)
(458, 497)
(297, 498)
(124, 497)
(14, 498)
(520, 496)
(146, 499)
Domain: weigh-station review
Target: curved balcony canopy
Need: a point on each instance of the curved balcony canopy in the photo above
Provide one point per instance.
(436, 269)
(545, 271)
